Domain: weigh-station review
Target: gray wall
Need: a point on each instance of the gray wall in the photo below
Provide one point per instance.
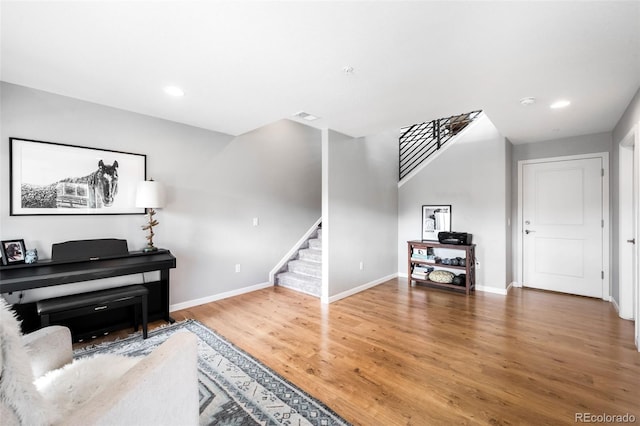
(585, 144)
(215, 185)
(360, 205)
(509, 224)
(469, 175)
(630, 117)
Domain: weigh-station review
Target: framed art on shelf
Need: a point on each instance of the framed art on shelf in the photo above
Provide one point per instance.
(13, 251)
(435, 219)
(49, 178)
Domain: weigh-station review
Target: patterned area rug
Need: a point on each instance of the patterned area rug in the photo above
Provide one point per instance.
(235, 388)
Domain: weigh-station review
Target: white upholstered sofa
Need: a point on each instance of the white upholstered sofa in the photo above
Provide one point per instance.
(40, 385)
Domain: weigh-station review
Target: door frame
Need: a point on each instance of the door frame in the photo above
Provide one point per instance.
(633, 138)
(627, 226)
(606, 232)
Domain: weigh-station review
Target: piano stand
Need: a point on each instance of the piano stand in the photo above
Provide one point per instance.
(75, 305)
(16, 278)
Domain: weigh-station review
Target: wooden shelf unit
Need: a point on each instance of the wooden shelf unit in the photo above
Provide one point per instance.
(469, 268)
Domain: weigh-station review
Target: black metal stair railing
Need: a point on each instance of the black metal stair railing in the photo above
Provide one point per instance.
(419, 141)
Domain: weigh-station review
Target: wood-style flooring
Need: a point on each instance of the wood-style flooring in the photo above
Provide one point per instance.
(400, 355)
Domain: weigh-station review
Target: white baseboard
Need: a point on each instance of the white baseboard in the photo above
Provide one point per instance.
(403, 275)
(614, 302)
(494, 290)
(219, 296)
(516, 284)
(615, 305)
(358, 289)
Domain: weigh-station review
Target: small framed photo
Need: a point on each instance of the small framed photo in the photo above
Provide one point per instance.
(13, 251)
(435, 219)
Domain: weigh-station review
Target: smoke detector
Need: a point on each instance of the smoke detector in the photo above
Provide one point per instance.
(306, 116)
(530, 100)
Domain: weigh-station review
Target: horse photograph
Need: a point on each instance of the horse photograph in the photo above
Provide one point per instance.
(96, 190)
(52, 178)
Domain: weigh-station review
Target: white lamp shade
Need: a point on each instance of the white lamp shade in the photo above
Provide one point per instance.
(150, 194)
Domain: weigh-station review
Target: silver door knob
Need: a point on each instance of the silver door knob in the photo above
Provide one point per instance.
(632, 241)
(528, 231)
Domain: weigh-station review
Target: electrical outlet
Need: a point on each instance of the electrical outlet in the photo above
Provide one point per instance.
(361, 265)
(256, 221)
(237, 267)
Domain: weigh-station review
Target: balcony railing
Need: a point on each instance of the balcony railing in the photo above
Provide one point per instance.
(420, 141)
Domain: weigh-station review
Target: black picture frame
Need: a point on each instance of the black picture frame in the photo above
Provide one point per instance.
(50, 178)
(435, 219)
(13, 251)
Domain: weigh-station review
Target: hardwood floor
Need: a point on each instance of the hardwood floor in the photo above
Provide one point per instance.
(395, 355)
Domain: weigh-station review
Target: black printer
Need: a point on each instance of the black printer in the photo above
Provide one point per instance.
(458, 238)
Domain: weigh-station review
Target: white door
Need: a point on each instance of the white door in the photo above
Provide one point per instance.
(562, 226)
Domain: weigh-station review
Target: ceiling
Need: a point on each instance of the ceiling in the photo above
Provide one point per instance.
(246, 64)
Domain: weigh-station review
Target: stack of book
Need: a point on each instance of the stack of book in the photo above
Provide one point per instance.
(423, 255)
(421, 272)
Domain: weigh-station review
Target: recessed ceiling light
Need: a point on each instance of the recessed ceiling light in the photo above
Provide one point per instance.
(174, 91)
(528, 101)
(560, 104)
(305, 116)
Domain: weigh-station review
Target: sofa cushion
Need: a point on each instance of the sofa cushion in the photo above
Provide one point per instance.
(67, 388)
(18, 395)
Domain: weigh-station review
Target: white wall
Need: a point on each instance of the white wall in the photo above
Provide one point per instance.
(359, 211)
(216, 185)
(469, 175)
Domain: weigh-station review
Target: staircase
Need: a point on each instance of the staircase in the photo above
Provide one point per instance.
(420, 141)
(304, 272)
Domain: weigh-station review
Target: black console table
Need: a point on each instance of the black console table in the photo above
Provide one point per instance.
(16, 278)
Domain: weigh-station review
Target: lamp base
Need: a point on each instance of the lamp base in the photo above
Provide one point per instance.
(148, 249)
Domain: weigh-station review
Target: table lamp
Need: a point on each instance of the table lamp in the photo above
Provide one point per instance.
(150, 195)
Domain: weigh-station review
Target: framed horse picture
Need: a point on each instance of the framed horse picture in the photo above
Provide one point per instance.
(49, 178)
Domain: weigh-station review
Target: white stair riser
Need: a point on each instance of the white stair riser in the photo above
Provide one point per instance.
(311, 254)
(301, 283)
(315, 244)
